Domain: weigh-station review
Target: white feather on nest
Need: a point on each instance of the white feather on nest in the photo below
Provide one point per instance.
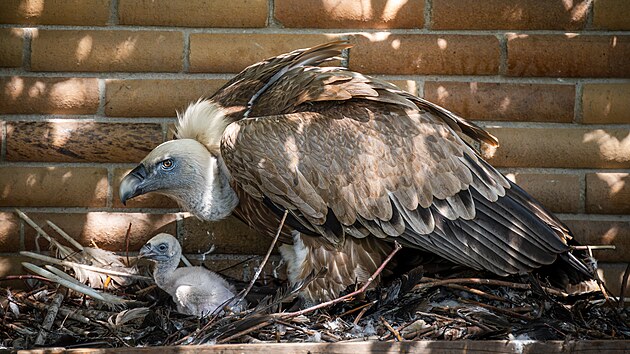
(91, 268)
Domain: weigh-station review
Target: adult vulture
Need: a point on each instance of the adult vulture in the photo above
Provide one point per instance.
(358, 163)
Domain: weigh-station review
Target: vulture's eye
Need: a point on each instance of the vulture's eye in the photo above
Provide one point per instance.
(167, 164)
(162, 247)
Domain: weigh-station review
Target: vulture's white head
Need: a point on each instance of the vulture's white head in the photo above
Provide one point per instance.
(189, 169)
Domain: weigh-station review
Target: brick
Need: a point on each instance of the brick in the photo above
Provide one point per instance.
(608, 193)
(504, 101)
(12, 265)
(79, 141)
(9, 231)
(350, 14)
(38, 95)
(11, 44)
(606, 103)
(560, 147)
(612, 275)
(229, 236)
(568, 55)
(611, 14)
(71, 50)
(53, 186)
(603, 232)
(410, 86)
(155, 98)
(55, 12)
(194, 13)
(418, 54)
(107, 230)
(231, 53)
(510, 14)
(150, 200)
(559, 193)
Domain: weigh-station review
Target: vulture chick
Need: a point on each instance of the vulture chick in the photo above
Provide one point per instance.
(358, 164)
(195, 290)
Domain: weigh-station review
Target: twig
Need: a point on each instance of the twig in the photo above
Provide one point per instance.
(477, 292)
(358, 318)
(498, 309)
(369, 281)
(264, 261)
(624, 283)
(391, 329)
(358, 308)
(430, 282)
(50, 317)
(245, 331)
(25, 276)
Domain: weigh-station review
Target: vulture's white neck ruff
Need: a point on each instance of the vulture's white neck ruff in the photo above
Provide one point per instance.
(203, 121)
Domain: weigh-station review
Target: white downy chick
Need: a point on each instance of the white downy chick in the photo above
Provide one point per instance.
(196, 290)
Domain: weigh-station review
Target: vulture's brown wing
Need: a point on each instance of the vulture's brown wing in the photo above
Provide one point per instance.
(367, 166)
(244, 89)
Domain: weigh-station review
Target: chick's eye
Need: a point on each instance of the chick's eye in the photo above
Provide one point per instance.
(162, 247)
(167, 164)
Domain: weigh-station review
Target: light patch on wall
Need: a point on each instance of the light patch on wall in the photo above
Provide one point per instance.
(580, 11)
(376, 37)
(31, 8)
(14, 88)
(442, 93)
(611, 148)
(615, 181)
(67, 93)
(359, 10)
(38, 89)
(125, 49)
(392, 7)
(396, 44)
(442, 43)
(84, 48)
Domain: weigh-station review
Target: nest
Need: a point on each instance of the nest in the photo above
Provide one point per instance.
(416, 306)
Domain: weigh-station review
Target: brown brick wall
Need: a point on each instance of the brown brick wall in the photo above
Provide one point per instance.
(88, 87)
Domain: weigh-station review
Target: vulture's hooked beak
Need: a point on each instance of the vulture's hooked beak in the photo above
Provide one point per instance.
(146, 251)
(133, 183)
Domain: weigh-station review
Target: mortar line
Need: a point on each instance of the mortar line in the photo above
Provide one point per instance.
(22, 238)
(271, 19)
(428, 14)
(3, 143)
(102, 96)
(186, 53)
(164, 121)
(578, 109)
(129, 165)
(110, 188)
(589, 15)
(582, 196)
(113, 13)
(341, 31)
(84, 210)
(87, 119)
(26, 49)
(420, 87)
(503, 54)
(227, 76)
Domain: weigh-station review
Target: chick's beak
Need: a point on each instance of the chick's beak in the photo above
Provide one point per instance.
(133, 183)
(146, 251)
